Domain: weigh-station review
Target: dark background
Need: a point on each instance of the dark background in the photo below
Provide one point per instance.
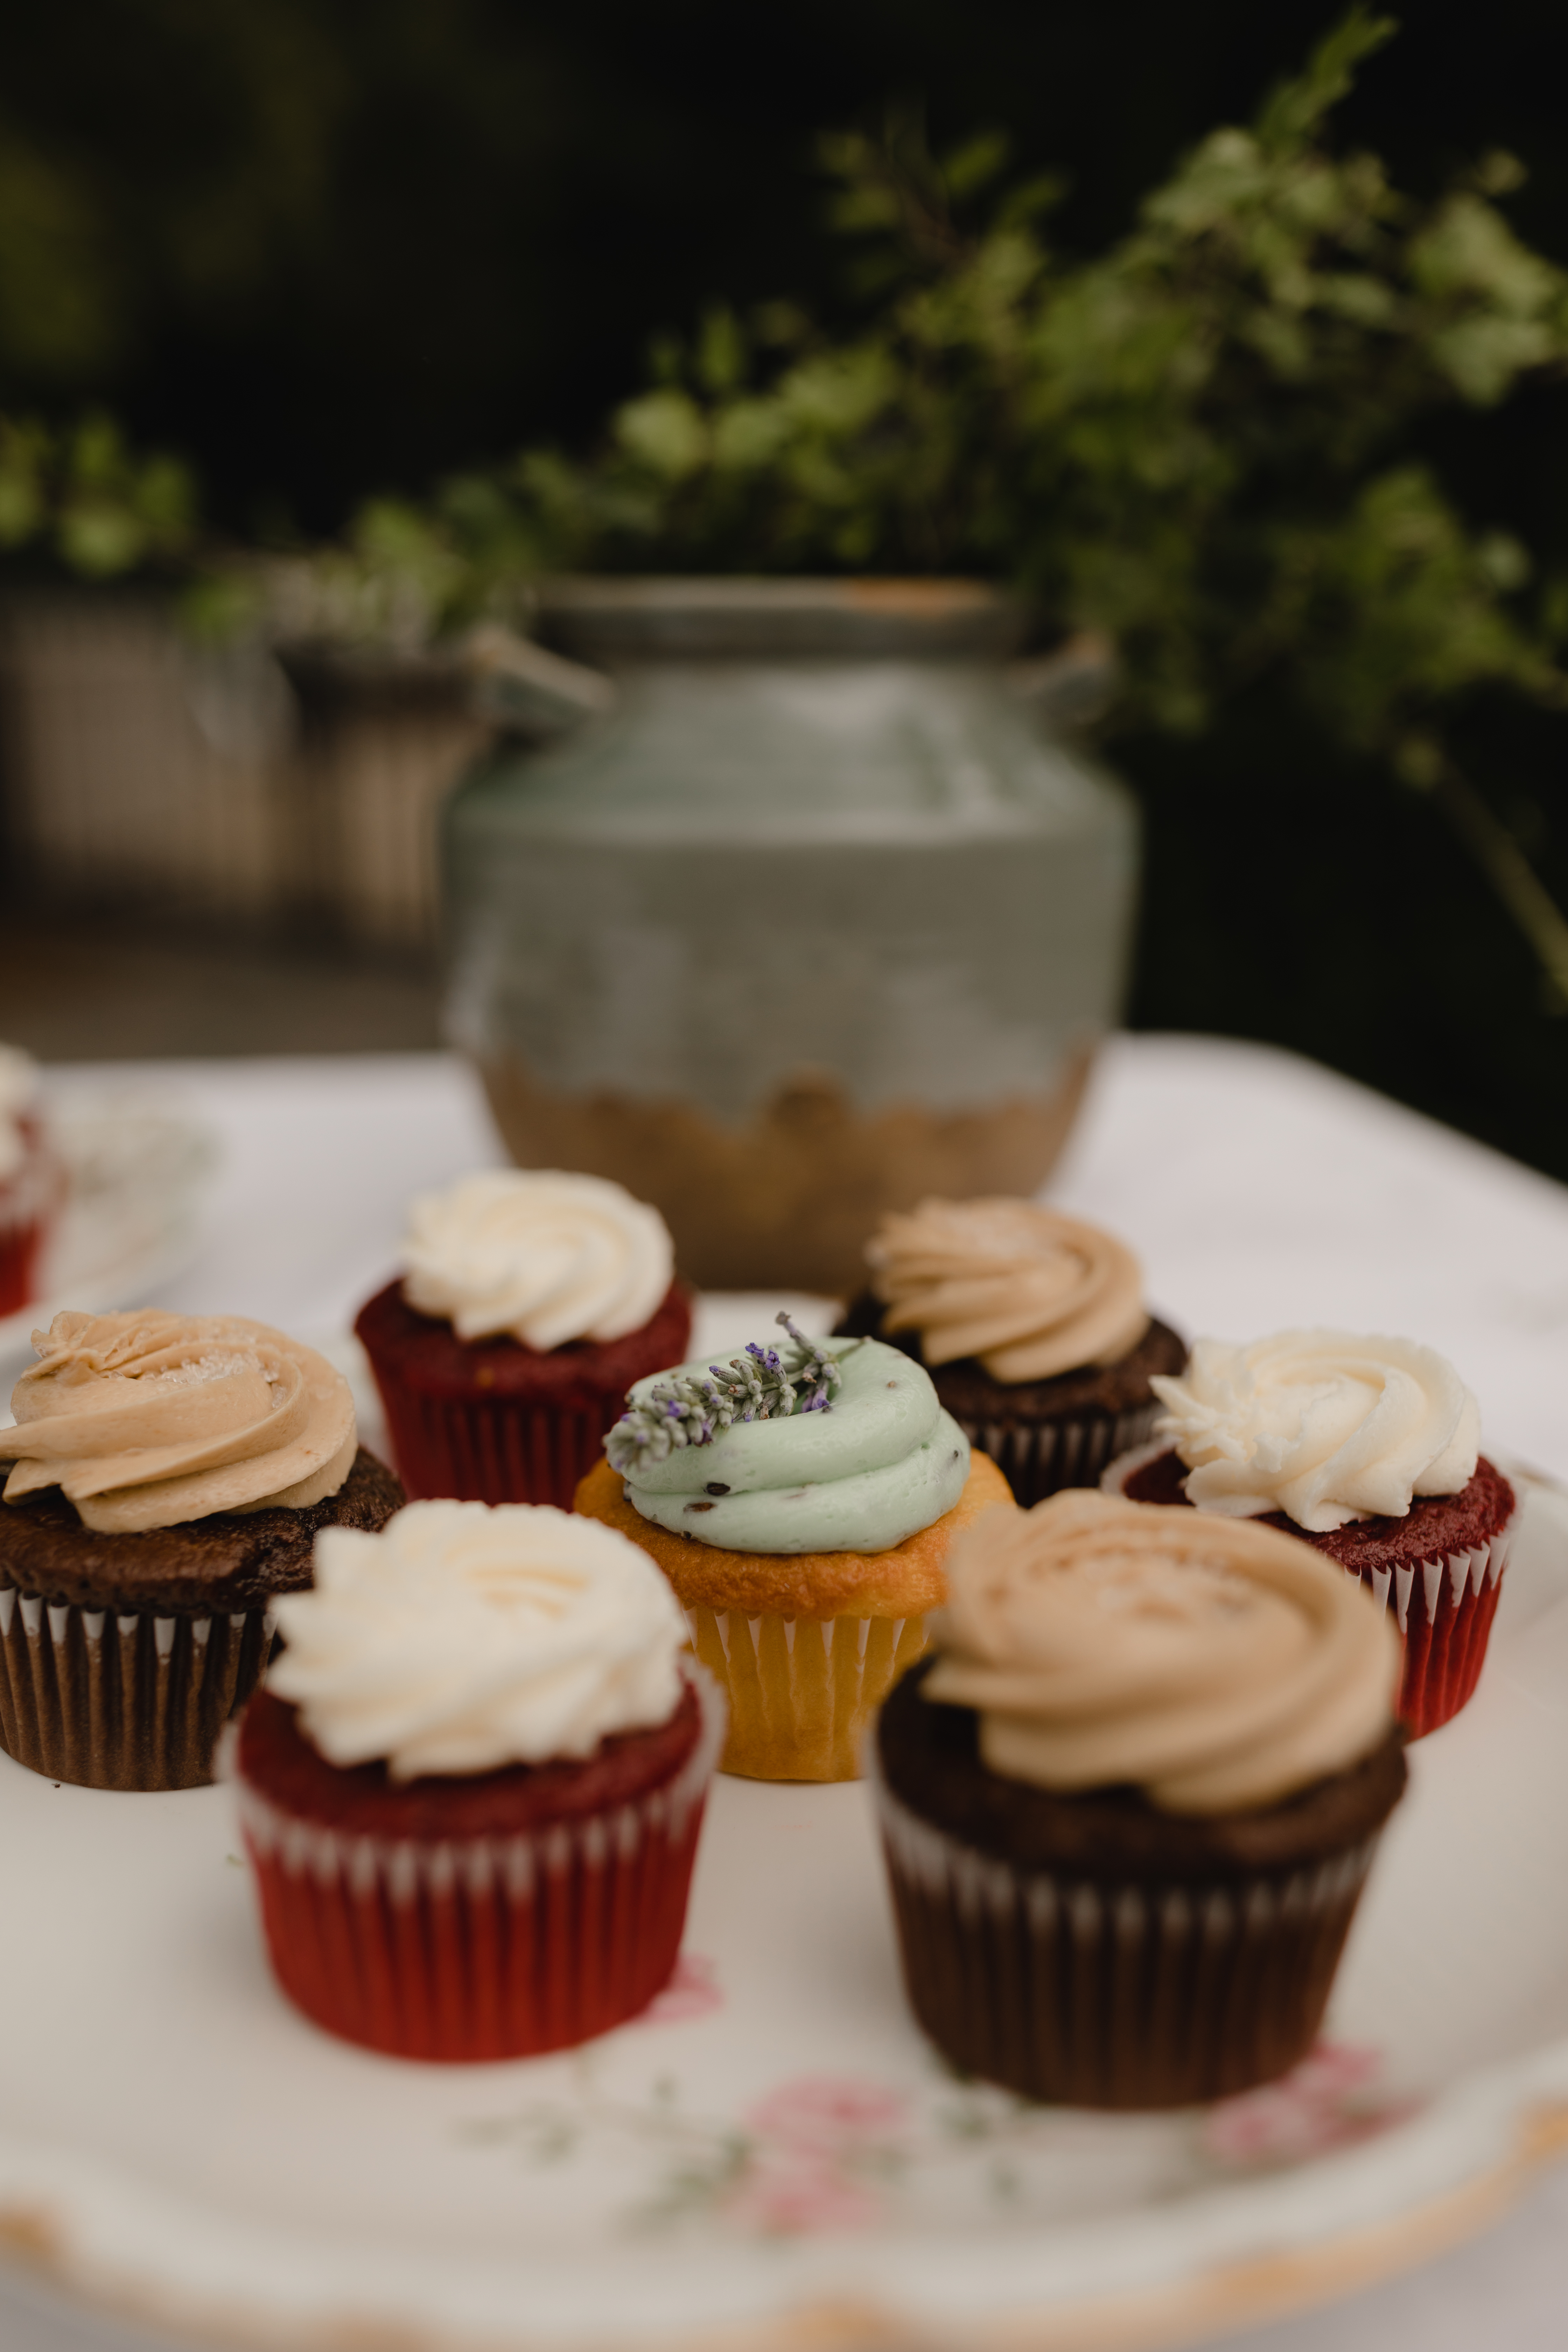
(325, 247)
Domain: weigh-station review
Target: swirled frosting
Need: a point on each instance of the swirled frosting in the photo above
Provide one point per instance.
(545, 1256)
(18, 1092)
(881, 1462)
(1217, 1664)
(148, 1419)
(1323, 1425)
(1025, 1289)
(464, 1636)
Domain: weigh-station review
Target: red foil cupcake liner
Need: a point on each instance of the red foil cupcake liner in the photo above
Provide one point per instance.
(121, 1699)
(1113, 1995)
(1040, 1458)
(493, 1450)
(1443, 1605)
(490, 1947)
(489, 1422)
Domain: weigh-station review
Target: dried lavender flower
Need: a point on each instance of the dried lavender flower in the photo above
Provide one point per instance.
(760, 1385)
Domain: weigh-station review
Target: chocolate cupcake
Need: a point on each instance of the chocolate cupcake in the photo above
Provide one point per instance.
(1033, 1325)
(472, 1791)
(171, 1474)
(1129, 1809)
(530, 1303)
(1368, 1449)
(801, 1501)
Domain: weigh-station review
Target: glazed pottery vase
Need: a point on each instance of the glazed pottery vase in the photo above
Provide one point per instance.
(807, 920)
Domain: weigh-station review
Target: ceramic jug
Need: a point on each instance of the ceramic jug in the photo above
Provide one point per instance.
(809, 919)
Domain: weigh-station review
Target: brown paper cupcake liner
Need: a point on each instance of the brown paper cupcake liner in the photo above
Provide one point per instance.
(802, 1690)
(487, 1947)
(1040, 1458)
(1113, 1995)
(121, 1699)
(1444, 1606)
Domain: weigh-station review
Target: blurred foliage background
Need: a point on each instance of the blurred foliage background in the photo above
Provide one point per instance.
(328, 251)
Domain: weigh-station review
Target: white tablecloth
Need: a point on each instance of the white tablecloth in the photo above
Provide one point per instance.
(1261, 1193)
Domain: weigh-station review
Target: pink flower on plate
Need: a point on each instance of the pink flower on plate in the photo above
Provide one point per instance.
(692, 1992)
(1328, 2101)
(819, 2145)
(826, 2114)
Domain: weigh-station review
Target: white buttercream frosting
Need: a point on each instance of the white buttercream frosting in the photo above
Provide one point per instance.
(1325, 1426)
(1217, 1664)
(464, 1636)
(18, 1094)
(544, 1256)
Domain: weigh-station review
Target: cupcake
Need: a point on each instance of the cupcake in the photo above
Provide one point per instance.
(1032, 1325)
(170, 1474)
(528, 1303)
(30, 1179)
(1369, 1449)
(801, 1501)
(472, 1787)
(1129, 1809)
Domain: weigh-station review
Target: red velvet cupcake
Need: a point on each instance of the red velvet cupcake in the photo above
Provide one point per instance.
(1368, 1449)
(472, 1791)
(30, 1181)
(530, 1302)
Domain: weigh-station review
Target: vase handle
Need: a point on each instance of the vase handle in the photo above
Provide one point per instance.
(525, 687)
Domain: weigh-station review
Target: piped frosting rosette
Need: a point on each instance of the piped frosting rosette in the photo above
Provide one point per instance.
(148, 1419)
(473, 1829)
(542, 1254)
(1216, 1664)
(1369, 1446)
(1027, 1291)
(529, 1301)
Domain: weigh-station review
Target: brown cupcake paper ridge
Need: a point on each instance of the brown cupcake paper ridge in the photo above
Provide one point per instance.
(1113, 1994)
(111, 1698)
(1039, 1459)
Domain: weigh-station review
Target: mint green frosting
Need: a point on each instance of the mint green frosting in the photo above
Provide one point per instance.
(880, 1463)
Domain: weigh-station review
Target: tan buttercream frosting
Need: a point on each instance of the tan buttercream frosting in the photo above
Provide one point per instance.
(1029, 1291)
(1219, 1664)
(149, 1419)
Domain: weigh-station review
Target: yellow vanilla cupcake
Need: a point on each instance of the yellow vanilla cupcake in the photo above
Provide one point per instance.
(801, 1501)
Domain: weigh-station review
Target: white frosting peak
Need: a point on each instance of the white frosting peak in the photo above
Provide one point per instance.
(542, 1254)
(463, 1637)
(1324, 1425)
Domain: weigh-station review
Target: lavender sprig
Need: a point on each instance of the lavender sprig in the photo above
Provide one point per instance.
(760, 1385)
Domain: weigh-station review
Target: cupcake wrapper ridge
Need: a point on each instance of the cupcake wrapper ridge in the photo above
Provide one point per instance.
(1113, 1995)
(1444, 1606)
(122, 1699)
(491, 1450)
(482, 1948)
(1041, 1458)
(802, 1690)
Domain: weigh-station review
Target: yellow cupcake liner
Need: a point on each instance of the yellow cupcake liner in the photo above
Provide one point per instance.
(802, 1690)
